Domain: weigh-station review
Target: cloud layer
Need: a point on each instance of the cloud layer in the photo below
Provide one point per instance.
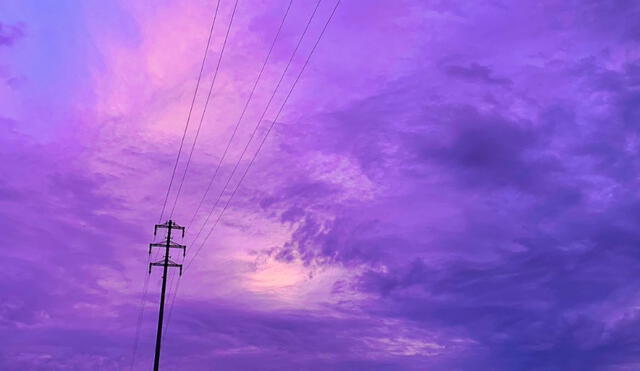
(451, 187)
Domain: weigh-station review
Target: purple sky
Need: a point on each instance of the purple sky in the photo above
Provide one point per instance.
(452, 185)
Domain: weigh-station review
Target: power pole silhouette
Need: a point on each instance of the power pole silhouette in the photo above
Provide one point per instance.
(165, 263)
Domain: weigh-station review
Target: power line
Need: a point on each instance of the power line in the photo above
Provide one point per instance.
(264, 112)
(172, 289)
(175, 292)
(139, 323)
(193, 100)
(206, 104)
(173, 300)
(268, 131)
(244, 110)
(306, 62)
(253, 89)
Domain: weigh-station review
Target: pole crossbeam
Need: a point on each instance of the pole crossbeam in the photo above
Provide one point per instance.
(168, 225)
(172, 245)
(161, 263)
(165, 263)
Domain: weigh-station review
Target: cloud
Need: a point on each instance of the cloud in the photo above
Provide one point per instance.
(476, 72)
(10, 34)
(506, 222)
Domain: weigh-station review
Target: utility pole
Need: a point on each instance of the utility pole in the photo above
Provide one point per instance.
(165, 263)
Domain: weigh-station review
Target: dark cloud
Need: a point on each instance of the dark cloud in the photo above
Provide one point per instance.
(619, 18)
(10, 34)
(530, 310)
(476, 73)
(539, 272)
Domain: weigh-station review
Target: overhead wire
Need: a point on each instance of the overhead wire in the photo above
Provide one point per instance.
(175, 166)
(139, 322)
(184, 174)
(206, 104)
(173, 278)
(242, 114)
(193, 101)
(244, 109)
(297, 79)
(274, 121)
(258, 123)
(173, 300)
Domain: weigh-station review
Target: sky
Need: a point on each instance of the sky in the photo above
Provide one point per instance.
(450, 185)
